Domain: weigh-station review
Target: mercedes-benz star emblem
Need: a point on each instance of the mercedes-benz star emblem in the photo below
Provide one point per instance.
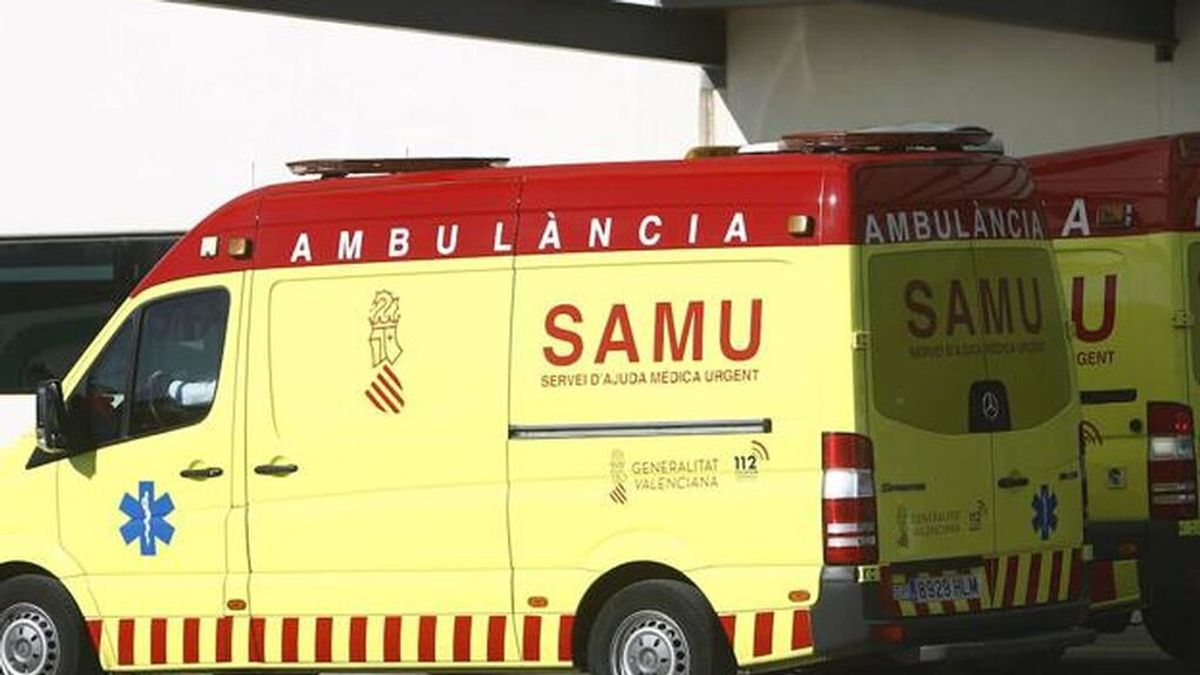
(991, 405)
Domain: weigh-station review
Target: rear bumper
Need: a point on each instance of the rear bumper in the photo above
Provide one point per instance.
(1168, 556)
(849, 621)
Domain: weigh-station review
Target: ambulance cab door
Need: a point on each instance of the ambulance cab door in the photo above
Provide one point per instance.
(933, 467)
(146, 514)
(1029, 403)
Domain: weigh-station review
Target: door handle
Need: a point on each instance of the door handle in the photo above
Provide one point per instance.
(903, 487)
(275, 469)
(202, 473)
(1010, 482)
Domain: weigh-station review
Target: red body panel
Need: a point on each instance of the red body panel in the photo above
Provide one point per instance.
(741, 201)
(1158, 177)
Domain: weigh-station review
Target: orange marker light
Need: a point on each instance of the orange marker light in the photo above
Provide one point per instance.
(538, 601)
(799, 596)
(236, 605)
(800, 226)
(240, 248)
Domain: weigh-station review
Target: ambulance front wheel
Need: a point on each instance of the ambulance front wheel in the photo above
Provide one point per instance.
(1176, 630)
(41, 632)
(658, 628)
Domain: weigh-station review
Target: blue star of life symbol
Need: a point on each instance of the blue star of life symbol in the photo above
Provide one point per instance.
(1045, 518)
(147, 518)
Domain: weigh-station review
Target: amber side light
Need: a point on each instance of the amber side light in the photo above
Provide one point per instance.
(538, 602)
(799, 596)
(240, 248)
(236, 605)
(801, 226)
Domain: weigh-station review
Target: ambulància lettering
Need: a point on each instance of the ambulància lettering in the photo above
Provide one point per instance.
(648, 231)
(897, 227)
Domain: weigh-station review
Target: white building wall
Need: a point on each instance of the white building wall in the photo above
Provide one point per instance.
(128, 114)
(846, 65)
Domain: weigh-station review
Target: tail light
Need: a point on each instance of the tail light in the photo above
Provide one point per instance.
(1172, 462)
(848, 500)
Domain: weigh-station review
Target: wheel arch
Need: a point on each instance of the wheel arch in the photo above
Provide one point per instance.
(608, 584)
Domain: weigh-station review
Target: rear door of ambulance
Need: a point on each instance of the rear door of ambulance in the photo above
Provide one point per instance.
(1035, 437)
(933, 475)
(970, 410)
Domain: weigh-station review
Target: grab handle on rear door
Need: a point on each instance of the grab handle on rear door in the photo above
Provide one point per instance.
(1009, 482)
(903, 487)
(275, 469)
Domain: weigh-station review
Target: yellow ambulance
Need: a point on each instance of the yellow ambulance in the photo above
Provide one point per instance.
(1124, 219)
(685, 417)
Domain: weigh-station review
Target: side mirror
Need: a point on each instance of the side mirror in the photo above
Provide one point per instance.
(51, 418)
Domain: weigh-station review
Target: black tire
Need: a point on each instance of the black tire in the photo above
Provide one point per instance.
(699, 636)
(1176, 630)
(30, 601)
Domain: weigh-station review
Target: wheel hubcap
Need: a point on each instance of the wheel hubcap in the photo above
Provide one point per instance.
(28, 641)
(650, 643)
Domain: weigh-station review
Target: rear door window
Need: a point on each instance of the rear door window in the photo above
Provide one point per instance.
(1020, 322)
(926, 351)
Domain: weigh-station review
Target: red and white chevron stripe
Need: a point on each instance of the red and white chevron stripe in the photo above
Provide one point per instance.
(128, 643)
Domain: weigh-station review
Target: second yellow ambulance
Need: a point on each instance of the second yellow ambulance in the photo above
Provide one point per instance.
(1126, 229)
(669, 418)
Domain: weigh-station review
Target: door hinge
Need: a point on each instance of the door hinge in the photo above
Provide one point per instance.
(862, 340)
(1183, 319)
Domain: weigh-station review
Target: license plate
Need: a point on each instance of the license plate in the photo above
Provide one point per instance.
(946, 588)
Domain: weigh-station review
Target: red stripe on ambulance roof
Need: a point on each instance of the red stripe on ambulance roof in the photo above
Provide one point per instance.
(125, 642)
(391, 639)
(191, 640)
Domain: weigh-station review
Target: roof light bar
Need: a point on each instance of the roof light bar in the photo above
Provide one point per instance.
(340, 168)
(888, 140)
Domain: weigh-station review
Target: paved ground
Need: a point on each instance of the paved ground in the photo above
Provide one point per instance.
(1130, 653)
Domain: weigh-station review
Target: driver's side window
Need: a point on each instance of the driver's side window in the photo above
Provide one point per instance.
(178, 343)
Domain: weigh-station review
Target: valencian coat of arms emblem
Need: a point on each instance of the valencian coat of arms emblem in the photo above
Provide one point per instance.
(385, 392)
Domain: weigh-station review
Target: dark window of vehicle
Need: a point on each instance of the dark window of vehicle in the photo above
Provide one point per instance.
(178, 361)
(56, 294)
(102, 399)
